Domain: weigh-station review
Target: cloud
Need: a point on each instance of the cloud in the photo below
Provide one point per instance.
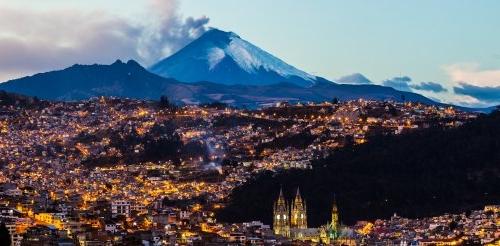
(472, 85)
(464, 100)
(58, 39)
(399, 83)
(429, 86)
(45, 40)
(170, 32)
(485, 93)
(472, 73)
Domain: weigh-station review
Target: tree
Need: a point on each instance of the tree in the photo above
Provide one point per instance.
(335, 100)
(164, 102)
(453, 225)
(421, 173)
(4, 235)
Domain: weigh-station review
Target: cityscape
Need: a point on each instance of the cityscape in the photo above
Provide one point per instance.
(68, 177)
(139, 123)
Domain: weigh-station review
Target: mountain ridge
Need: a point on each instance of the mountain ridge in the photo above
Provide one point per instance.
(131, 80)
(271, 80)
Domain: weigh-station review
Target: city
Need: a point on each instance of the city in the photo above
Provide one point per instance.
(67, 175)
(231, 122)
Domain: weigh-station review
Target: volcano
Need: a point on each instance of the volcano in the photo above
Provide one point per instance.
(226, 58)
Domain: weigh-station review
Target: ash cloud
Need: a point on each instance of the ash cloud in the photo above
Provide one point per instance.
(170, 32)
(39, 41)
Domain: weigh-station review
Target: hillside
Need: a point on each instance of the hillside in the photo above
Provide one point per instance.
(130, 80)
(80, 82)
(16, 100)
(422, 173)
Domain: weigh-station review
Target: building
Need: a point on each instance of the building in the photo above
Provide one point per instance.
(291, 222)
(120, 207)
(281, 219)
(298, 210)
(334, 223)
(58, 220)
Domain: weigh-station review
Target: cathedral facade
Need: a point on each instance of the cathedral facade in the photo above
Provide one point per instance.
(281, 218)
(290, 221)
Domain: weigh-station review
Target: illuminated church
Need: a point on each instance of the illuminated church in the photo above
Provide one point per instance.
(290, 221)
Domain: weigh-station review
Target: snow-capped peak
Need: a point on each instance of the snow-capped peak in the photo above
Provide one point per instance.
(251, 58)
(224, 57)
(355, 78)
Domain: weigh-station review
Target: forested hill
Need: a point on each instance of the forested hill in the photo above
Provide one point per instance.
(423, 173)
(11, 99)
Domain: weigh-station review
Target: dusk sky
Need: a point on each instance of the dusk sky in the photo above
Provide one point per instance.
(448, 50)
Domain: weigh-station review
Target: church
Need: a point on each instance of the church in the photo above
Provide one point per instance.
(290, 221)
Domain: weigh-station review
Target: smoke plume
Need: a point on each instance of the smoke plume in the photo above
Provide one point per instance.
(38, 41)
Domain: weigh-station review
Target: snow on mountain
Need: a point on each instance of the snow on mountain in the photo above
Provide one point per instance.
(251, 58)
(355, 78)
(224, 57)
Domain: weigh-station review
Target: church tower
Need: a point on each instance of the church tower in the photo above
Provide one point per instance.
(281, 219)
(334, 225)
(299, 212)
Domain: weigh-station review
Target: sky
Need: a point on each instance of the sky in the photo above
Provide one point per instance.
(448, 50)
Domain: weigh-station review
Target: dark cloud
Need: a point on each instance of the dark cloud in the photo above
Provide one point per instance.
(486, 93)
(404, 78)
(429, 86)
(399, 83)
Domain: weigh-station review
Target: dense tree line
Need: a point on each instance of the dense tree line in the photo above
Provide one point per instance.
(161, 143)
(234, 121)
(299, 141)
(421, 173)
(11, 99)
(216, 105)
(4, 235)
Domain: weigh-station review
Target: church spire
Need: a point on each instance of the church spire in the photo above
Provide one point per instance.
(299, 213)
(334, 225)
(281, 224)
(281, 198)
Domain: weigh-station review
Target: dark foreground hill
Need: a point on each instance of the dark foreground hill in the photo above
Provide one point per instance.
(423, 173)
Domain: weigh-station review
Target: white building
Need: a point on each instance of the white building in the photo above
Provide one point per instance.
(120, 207)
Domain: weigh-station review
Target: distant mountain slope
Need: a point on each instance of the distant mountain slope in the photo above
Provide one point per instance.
(218, 66)
(225, 58)
(133, 81)
(328, 89)
(355, 78)
(84, 81)
(130, 80)
(423, 173)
